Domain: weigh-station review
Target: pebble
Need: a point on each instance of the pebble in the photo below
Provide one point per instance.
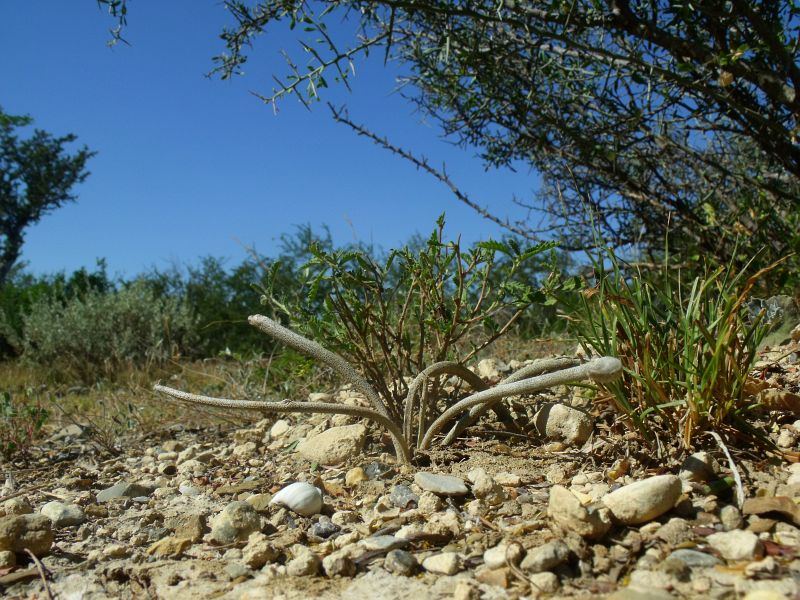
(446, 563)
(444, 485)
(279, 428)
(16, 506)
(323, 529)
(31, 531)
(355, 476)
(123, 489)
(235, 523)
(497, 557)
(508, 479)
(695, 559)
(730, 517)
(566, 509)
(564, 423)
(8, 559)
(304, 565)
(169, 547)
(63, 515)
(338, 564)
(633, 592)
(736, 545)
(190, 525)
(403, 497)
(644, 500)
(260, 502)
(429, 503)
(188, 490)
(545, 557)
(383, 543)
(335, 445)
(466, 590)
(400, 562)
(699, 467)
(544, 582)
(485, 487)
(116, 551)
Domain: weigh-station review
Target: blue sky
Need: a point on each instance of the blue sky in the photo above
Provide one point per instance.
(189, 166)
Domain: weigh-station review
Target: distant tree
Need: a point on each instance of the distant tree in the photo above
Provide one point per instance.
(654, 115)
(36, 176)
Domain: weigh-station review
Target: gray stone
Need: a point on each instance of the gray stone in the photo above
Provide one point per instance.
(235, 523)
(400, 562)
(444, 485)
(16, 506)
(323, 529)
(446, 563)
(401, 496)
(564, 423)
(123, 489)
(382, 543)
(695, 559)
(545, 557)
(566, 509)
(63, 515)
(644, 500)
(236, 570)
(18, 532)
(335, 445)
(737, 544)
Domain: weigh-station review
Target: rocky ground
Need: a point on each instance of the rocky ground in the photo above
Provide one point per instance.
(577, 510)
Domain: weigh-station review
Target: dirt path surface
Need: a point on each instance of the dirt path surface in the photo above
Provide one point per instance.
(186, 513)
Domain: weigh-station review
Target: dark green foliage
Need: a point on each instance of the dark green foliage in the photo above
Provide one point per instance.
(393, 316)
(687, 343)
(36, 176)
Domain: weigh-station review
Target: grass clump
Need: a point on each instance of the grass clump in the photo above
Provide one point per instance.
(687, 344)
(21, 420)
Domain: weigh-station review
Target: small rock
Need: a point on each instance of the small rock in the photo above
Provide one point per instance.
(544, 582)
(260, 502)
(429, 503)
(355, 476)
(446, 563)
(124, 489)
(191, 526)
(303, 565)
(338, 564)
(564, 423)
(400, 562)
(566, 509)
(16, 506)
(644, 500)
(323, 529)
(508, 479)
(764, 595)
(736, 545)
(319, 397)
(18, 532)
(237, 572)
(730, 517)
(235, 523)
(695, 559)
(500, 555)
(259, 551)
(485, 487)
(545, 557)
(466, 590)
(169, 547)
(762, 568)
(115, 551)
(7, 559)
(402, 497)
(382, 543)
(280, 427)
(633, 592)
(63, 515)
(489, 369)
(186, 489)
(335, 445)
(699, 467)
(345, 517)
(444, 485)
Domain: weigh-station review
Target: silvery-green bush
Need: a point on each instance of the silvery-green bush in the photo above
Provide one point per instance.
(100, 334)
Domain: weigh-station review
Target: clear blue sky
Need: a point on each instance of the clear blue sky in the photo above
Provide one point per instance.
(187, 165)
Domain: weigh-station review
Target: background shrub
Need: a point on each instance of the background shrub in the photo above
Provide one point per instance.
(97, 334)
